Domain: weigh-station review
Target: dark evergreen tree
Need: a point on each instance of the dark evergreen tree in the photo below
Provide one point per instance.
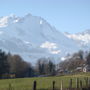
(4, 66)
(51, 68)
(88, 59)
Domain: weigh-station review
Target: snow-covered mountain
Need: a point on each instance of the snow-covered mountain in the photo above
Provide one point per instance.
(32, 38)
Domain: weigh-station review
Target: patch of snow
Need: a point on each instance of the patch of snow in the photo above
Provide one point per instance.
(49, 45)
(63, 58)
(55, 51)
(3, 21)
(52, 47)
(41, 22)
(27, 42)
(17, 20)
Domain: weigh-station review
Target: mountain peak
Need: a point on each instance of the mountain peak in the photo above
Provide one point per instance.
(28, 18)
(7, 20)
(28, 15)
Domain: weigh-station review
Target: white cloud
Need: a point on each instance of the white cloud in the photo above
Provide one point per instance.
(52, 47)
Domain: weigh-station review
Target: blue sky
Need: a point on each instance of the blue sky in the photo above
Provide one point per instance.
(66, 15)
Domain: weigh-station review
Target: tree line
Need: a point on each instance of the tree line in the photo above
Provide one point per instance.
(14, 65)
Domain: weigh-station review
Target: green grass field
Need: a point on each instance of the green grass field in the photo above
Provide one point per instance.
(43, 83)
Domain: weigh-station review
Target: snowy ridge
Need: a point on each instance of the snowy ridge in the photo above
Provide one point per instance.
(82, 38)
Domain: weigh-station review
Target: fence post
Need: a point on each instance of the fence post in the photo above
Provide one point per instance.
(86, 81)
(70, 83)
(61, 84)
(34, 85)
(10, 86)
(81, 84)
(53, 85)
(77, 82)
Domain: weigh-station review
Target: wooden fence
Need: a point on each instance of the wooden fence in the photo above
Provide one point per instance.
(78, 85)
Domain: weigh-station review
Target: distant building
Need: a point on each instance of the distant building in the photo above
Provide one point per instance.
(62, 72)
(79, 69)
(86, 68)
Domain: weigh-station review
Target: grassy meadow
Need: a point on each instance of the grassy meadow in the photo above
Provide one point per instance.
(43, 83)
